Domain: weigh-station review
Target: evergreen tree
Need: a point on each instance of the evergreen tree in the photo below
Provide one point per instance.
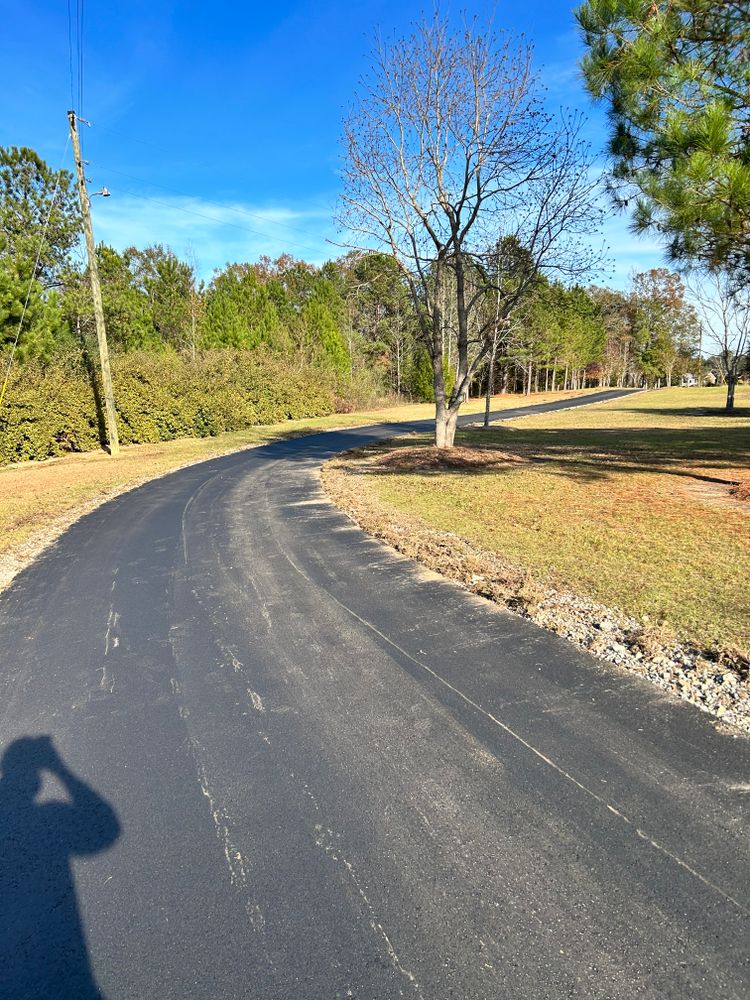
(240, 312)
(324, 338)
(127, 315)
(168, 284)
(674, 74)
(43, 326)
(27, 188)
(30, 265)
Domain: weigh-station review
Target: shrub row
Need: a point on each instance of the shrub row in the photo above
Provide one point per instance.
(53, 409)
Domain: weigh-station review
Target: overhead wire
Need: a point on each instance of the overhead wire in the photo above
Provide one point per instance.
(42, 240)
(76, 54)
(80, 55)
(70, 56)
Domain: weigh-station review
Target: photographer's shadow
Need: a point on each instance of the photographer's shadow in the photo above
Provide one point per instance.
(43, 950)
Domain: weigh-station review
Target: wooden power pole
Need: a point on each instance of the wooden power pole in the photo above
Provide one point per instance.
(96, 292)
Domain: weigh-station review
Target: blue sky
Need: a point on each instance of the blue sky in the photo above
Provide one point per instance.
(216, 126)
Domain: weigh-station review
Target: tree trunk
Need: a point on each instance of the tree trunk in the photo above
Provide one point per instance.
(445, 426)
(490, 381)
(731, 384)
(445, 421)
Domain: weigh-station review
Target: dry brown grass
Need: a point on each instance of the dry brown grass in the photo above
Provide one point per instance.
(633, 504)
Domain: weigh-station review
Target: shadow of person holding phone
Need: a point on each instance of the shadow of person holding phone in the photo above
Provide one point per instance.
(43, 950)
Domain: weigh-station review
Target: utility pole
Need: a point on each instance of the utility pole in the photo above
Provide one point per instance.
(96, 292)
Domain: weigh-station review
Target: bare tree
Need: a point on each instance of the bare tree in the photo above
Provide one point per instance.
(449, 153)
(724, 311)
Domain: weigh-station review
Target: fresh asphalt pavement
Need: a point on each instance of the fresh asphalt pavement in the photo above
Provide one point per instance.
(289, 763)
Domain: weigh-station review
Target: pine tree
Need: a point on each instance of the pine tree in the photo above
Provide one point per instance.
(30, 265)
(240, 311)
(676, 77)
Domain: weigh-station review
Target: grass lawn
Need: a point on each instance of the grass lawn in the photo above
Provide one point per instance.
(39, 499)
(628, 503)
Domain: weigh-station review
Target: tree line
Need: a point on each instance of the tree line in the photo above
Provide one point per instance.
(354, 319)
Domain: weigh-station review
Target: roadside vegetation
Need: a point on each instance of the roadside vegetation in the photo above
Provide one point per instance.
(636, 504)
(283, 339)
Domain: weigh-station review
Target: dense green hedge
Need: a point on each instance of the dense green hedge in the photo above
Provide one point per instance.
(51, 410)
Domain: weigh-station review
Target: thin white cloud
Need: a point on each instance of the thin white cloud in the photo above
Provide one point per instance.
(213, 233)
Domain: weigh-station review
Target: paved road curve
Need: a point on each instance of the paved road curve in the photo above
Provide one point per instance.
(290, 764)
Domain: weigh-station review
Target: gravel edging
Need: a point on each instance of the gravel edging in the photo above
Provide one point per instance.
(715, 681)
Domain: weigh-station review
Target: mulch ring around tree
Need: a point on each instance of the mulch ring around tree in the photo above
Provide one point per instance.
(741, 490)
(432, 459)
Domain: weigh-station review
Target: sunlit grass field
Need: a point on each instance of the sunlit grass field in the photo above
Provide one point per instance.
(627, 502)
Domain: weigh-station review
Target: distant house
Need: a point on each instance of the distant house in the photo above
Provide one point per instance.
(689, 381)
(710, 378)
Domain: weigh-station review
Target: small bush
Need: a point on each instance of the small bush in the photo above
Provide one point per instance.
(47, 411)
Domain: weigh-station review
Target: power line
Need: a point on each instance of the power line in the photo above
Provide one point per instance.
(79, 12)
(135, 138)
(33, 274)
(75, 28)
(70, 55)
